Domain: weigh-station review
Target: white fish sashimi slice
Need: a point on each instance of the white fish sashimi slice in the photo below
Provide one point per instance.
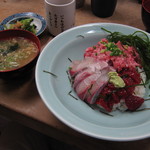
(95, 67)
(79, 65)
(91, 63)
(81, 76)
(98, 85)
(85, 84)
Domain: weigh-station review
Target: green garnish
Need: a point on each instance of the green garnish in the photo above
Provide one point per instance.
(50, 73)
(80, 36)
(10, 49)
(115, 51)
(70, 79)
(143, 109)
(103, 51)
(69, 68)
(25, 24)
(90, 89)
(94, 47)
(147, 99)
(69, 59)
(72, 95)
(90, 105)
(138, 40)
(106, 113)
(111, 46)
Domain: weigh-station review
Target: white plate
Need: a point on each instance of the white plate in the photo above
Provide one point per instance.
(75, 113)
(38, 20)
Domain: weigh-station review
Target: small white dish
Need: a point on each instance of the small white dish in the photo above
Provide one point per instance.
(38, 21)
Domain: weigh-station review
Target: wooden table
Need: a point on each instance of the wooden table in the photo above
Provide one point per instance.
(20, 101)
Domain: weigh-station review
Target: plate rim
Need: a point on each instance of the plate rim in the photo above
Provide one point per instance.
(55, 112)
(25, 14)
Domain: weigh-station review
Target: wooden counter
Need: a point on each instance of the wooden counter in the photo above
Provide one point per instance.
(20, 101)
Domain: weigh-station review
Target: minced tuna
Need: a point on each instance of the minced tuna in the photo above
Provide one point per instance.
(116, 54)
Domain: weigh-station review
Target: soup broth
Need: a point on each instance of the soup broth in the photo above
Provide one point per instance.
(16, 52)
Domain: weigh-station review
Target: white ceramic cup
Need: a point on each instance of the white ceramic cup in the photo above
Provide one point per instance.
(60, 15)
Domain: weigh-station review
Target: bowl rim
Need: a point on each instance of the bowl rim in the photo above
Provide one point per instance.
(38, 46)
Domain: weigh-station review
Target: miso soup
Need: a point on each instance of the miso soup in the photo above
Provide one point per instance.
(16, 52)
